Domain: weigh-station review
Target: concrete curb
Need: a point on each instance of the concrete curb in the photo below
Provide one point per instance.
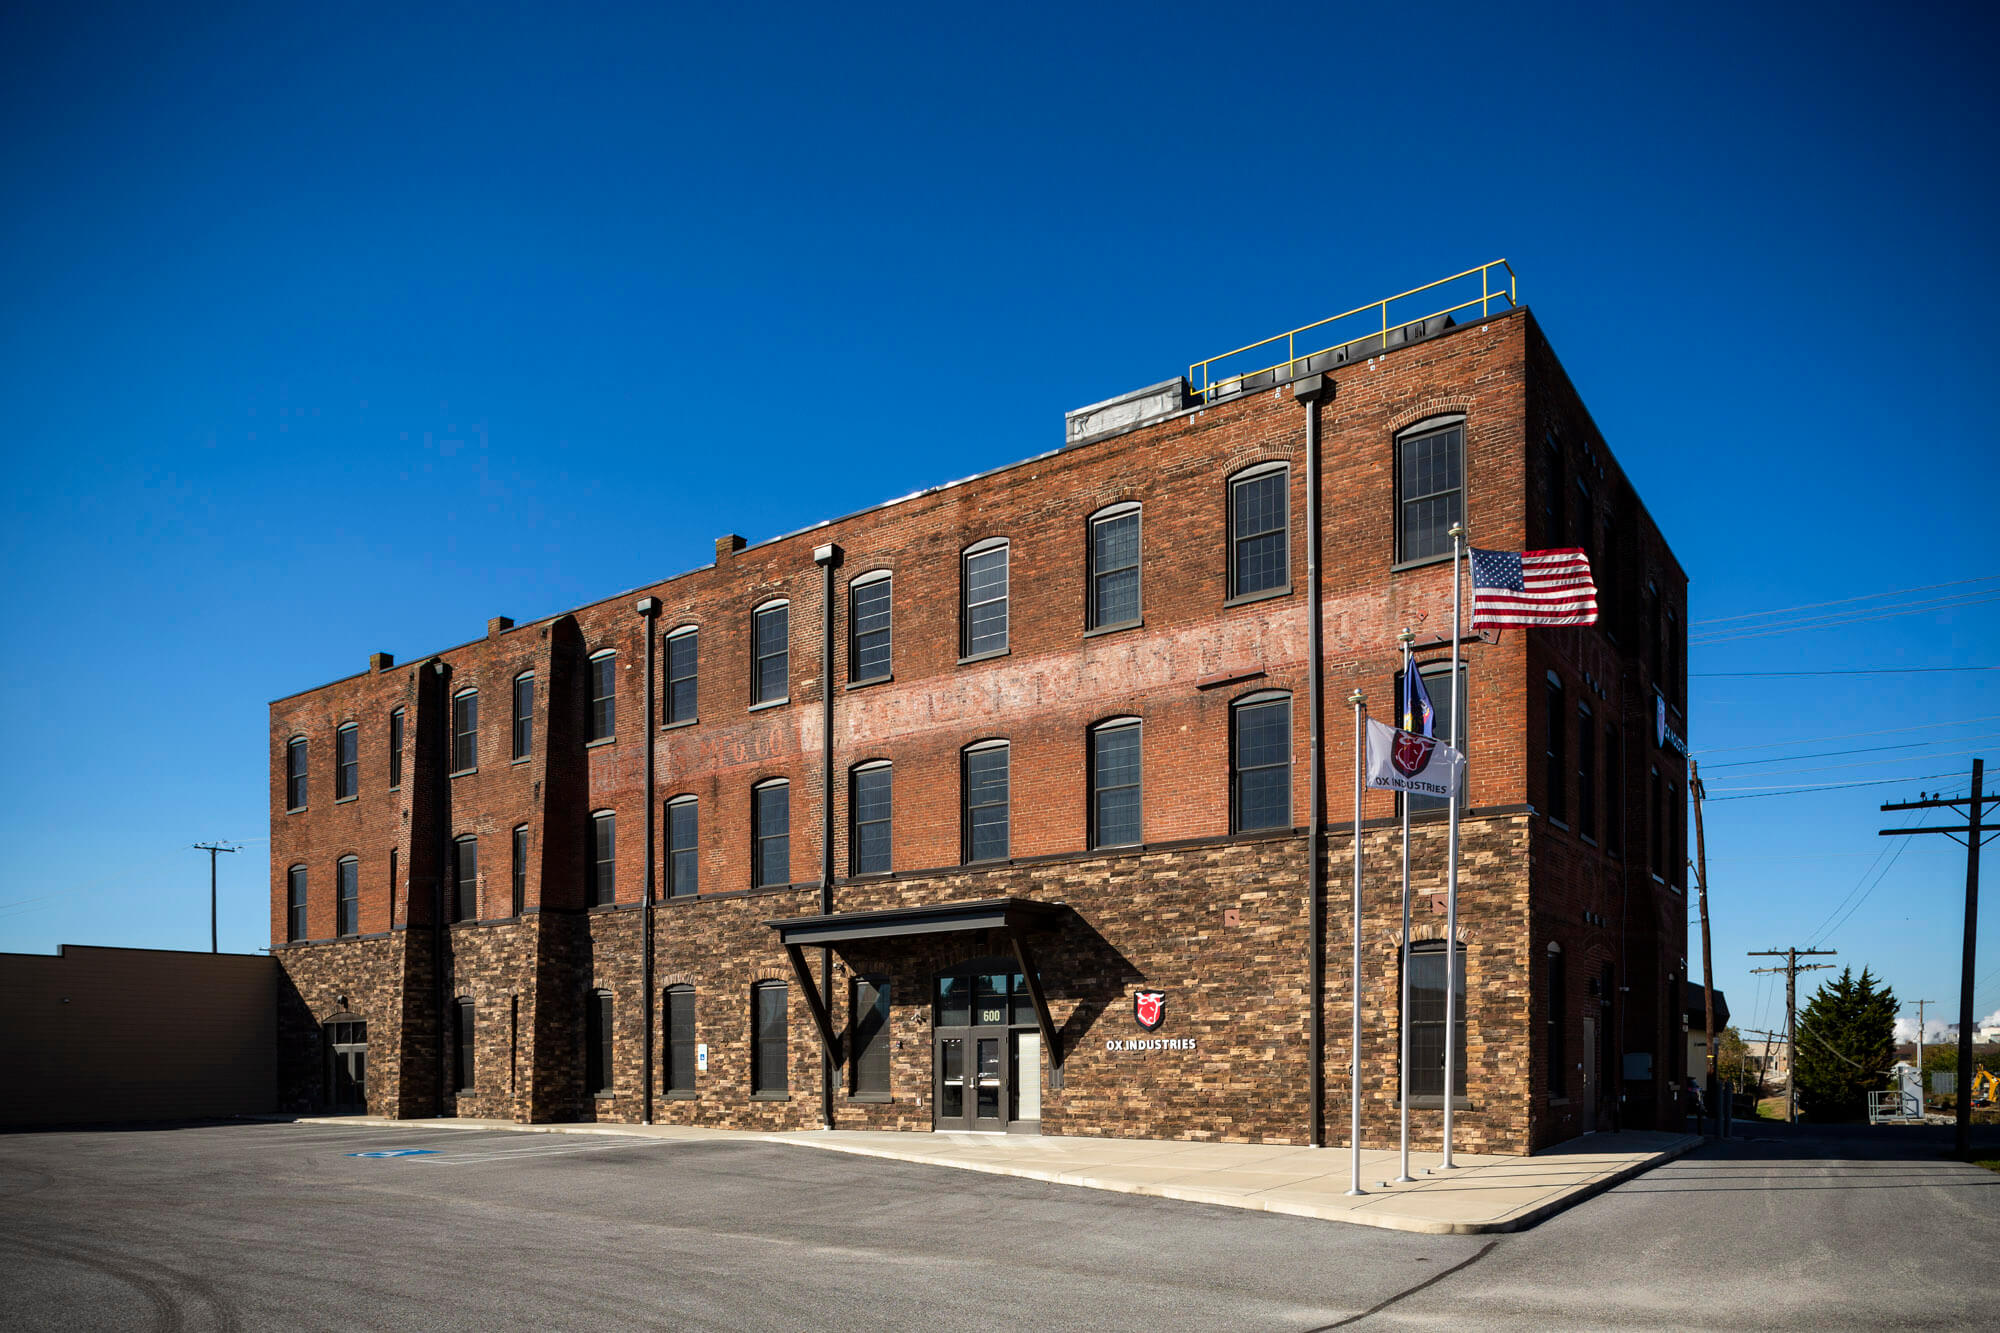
(1386, 1221)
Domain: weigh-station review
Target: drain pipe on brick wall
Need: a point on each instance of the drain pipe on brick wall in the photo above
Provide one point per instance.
(1313, 390)
(828, 559)
(648, 609)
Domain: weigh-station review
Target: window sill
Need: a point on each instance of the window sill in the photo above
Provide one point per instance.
(600, 742)
(985, 656)
(863, 876)
(770, 703)
(678, 1095)
(295, 810)
(1437, 1103)
(1587, 838)
(1264, 596)
(1118, 628)
(608, 907)
(519, 760)
(675, 726)
(395, 786)
(346, 800)
(1558, 1101)
(463, 772)
(871, 1098)
(770, 1096)
(872, 680)
(1557, 823)
(1423, 562)
(604, 1096)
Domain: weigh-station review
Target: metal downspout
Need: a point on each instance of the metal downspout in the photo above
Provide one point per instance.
(828, 559)
(648, 608)
(1312, 390)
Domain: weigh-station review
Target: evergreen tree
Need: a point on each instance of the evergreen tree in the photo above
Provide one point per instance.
(1847, 1041)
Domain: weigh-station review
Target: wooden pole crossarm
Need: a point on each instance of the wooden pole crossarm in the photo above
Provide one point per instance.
(821, 1019)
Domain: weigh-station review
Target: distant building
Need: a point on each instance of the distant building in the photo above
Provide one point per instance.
(988, 808)
(1694, 1019)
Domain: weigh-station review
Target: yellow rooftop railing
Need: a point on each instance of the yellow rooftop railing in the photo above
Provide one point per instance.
(1370, 329)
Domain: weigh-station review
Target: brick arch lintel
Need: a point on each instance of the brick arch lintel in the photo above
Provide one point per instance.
(1422, 933)
(1430, 407)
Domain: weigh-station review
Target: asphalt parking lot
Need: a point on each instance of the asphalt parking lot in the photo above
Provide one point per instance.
(251, 1226)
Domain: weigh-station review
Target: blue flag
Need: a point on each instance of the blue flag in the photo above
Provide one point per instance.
(1417, 711)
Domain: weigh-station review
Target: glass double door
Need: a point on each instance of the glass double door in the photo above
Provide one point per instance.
(972, 1078)
(347, 1066)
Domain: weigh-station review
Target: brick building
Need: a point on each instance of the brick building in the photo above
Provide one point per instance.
(925, 798)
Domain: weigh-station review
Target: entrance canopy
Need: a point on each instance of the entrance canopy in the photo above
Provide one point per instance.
(1016, 917)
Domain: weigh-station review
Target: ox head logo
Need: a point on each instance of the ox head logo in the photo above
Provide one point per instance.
(1411, 753)
(1149, 1007)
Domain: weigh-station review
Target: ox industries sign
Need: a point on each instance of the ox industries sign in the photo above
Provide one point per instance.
(1149, 1011)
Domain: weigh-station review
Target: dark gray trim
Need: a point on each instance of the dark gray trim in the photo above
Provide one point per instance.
(989, 653)
(872, 680)
(1264, 596)
(1009, 914)
(1118, 628)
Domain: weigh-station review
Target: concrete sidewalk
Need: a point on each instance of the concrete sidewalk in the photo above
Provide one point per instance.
(1481, 1193)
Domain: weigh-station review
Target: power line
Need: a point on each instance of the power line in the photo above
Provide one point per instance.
(1858, 671)
(1842, 601)
(1852, 614)
(1870, 763)
(1852, 735)
(1843, 623)
(1758, 793)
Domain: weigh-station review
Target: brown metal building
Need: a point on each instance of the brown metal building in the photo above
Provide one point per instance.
(991, 807)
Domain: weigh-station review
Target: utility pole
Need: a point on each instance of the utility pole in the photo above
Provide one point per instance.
(1707, 966)
(1920, 1046)
(1791, 969)
(212, 848)
(1972, 837)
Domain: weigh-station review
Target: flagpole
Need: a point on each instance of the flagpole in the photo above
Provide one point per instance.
(1360, 702)
(1403, 1004)
(1451, 978)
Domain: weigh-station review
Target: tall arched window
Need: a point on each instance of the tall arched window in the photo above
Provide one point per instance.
(868, 626)
(465, 877)
(295, 773)
(464, 1031)
(347, 896)
(771, 833)
(985, 787)
(464, 731)
(1260, 528)
(524, 715)
(683, 666)
(1430, 488)
(872, 803)
(1115, 768)
(603, 695)
(295, 904)
(1427, 1022)
(770, 1072)
(683, 846)
(601, 869)
(1260, 762)
(346, 762)
(1114, 567)
(983, 598)
(597, 1066)
(678, 1060)
(771, 653)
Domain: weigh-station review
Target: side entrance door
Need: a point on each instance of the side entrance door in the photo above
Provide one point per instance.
(347, 1065)
(971, 1065)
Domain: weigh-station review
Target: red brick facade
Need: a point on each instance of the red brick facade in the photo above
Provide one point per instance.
(1215, 919)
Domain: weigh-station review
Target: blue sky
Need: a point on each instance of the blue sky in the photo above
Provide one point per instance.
(334, 331)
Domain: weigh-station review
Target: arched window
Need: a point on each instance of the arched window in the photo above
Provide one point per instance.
(518, 894)
(868, 626)
(524, 715)
(395, 748)
(771, 653)
(347, 896)
(295, 773)
(295, 904)
(683, 846)
(872, 802)
(465, 878)
(1260, 762)
(769, 1071)
(1557, 759)
(1115, 788)
(1114, 567)
(603, 695)
(985, 814)
(464, 1030)
(1260, 527)
(597, 1026)
(346, 762)
(601, 870)
(683, 664)
(464, 731)
(771, 833)
(1430, 487)
(983, 598)
(678, 1060)
(1427, 1022)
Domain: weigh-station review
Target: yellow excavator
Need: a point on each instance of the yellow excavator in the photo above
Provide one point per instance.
(1985, 1088)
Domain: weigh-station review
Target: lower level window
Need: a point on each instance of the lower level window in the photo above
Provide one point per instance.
(1427, 1022)
(871, 1035)
(768, 1070)
(597, 1042)
(463, 1031)
(680, 1061)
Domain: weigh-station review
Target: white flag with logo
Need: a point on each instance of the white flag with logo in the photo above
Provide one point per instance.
(1406, 761)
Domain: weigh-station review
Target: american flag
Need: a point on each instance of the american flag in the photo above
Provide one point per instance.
(1532, 588)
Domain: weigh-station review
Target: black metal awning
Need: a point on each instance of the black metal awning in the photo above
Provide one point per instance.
(1016, 917)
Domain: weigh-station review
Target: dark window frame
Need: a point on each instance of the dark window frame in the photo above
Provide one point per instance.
(524, 715)
(680, 1073)
(1233, 588)
(600, 867)
(1094, 618)
(857, 650)
(602, 680)
(297, 757)
(599, 1043)
(1555, 741)
(346, 761)
(347, 896)
(465, 1043)
(1558, 1027)
(1614, 791)
(518, 884)
(1586, 772)
(395, 748)
(1424, 432)
(858, 861)
(1555, 513)
(781, 608)
(683, 862)
(969, 827)
(1238, 709)
(671, 711)
(968, 642)
(763, 840)
(465, 730)
(869, 1065)
(1431, 956)
(295, 903)
(1095, 789)
(464, 886)
(770, 1041)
